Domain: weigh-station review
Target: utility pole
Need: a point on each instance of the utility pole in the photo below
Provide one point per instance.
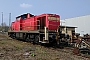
(9, 20)
(2, 21)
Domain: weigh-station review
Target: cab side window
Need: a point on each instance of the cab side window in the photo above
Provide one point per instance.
(23, 17)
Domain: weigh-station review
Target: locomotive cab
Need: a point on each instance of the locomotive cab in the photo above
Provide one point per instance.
(49, 23)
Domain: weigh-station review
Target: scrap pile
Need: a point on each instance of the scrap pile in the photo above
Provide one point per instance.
(82, 44)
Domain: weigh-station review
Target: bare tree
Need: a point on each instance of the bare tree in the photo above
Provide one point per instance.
(3, 24)
(4, 27)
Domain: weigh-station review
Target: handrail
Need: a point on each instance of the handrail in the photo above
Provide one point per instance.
(29, 25)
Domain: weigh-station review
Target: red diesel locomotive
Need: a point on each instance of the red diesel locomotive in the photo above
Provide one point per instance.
(42, 28)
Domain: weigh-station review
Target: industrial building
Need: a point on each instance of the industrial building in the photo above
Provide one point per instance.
(82, 23)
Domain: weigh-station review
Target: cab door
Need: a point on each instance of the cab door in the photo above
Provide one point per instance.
(41, 22)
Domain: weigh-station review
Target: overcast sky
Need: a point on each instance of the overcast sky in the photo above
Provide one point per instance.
(65, 8)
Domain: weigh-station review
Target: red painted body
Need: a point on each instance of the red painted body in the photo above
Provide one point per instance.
(30, 22)
(15, 25)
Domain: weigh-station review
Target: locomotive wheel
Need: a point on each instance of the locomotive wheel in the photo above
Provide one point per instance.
(52, 41)
(37, 39)
(14, 36)
(27, 39)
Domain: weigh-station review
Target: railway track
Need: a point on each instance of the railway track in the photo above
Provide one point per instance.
(65, 50)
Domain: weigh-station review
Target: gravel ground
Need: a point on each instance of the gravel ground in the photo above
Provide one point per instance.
(11, 49)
